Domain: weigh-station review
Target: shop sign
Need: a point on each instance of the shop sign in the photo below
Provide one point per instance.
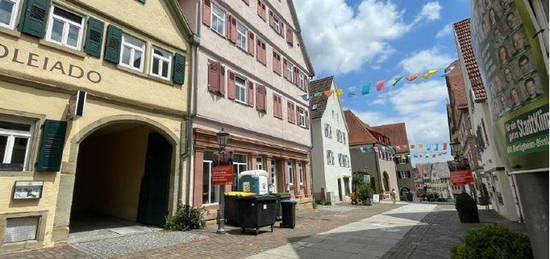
(463, 177)
(222, 175)
(17, 56)
(25, 190)
(509, 56)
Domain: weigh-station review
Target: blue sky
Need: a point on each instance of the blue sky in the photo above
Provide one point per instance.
(364, 41)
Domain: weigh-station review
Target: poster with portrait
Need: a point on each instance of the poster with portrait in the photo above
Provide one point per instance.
(512, 67)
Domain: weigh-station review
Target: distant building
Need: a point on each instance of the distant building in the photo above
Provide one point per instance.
(331, 163)
(436, 178)
(371, 154)
(397, 132)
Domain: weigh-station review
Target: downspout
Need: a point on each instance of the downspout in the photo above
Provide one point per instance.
(192, 103)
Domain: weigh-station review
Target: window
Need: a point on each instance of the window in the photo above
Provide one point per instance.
(330, 157)
(301, 117)
(289, 71)
(277, 24)
(300, 172)
(338, 135)
(240, 90)
(132, 53)
(15, 141)
(290, 173)
(242, 39)
(340, 160)
(302, 83)
(210, 192)
(239, 165)
(8, 13)
(65, 28)
(161, 63)
(328, 131)
(21, 229)
(259, 163)
(218, 20)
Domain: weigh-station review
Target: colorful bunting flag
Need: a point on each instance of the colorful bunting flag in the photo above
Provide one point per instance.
(396, 80)
(318, 94)
(412, 77)
(366, 89)
(444, 146)
(328, 93)
(369, 149)
(305, 97)
(429, 74)
(420, 146)
(379, 85)
(376, 149)
(351, 91)
(397, 148)
(436, 147)
(339, 92)
(428, 147)
(403, 156)
(411, 146)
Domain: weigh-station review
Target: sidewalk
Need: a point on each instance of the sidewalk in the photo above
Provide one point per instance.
(367, 238)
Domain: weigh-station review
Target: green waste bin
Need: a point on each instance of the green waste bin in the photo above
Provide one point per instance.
(280, 197)
(289, 213)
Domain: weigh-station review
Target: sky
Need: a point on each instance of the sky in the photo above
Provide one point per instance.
(363, 41)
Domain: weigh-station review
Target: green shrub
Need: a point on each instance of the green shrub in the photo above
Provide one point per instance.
(465, 203)
(314, 204)
(364, 192)
(493, 242)
(186, 218)
(323, 203)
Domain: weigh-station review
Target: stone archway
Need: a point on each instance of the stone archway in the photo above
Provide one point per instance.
(128, 137)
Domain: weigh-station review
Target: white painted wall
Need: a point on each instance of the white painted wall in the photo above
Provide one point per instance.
(324, 175)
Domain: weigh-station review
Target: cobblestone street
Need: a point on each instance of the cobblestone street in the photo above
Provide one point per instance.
(380, 231)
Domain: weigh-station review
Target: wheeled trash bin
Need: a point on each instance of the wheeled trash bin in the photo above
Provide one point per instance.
(256, 212)
(280, 197)
(289, 213)
(230, 211)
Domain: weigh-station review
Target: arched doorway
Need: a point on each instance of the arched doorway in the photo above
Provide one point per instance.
(386, 181)
(123, 172)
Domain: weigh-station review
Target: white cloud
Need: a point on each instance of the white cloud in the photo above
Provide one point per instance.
(340, 39)
(430, 11)
(446, 31)
(426, 59)
(416, 105)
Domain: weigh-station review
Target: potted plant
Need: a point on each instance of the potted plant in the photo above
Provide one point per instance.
(364, 193)
(467, 208)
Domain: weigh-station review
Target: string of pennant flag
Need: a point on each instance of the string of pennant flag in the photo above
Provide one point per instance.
(379, 85)
(419, 147)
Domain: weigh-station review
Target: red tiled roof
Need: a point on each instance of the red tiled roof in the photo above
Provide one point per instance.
(397, 132)
(360, 133)
(464, 40)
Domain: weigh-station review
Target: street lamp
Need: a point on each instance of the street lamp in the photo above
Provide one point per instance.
(455, 148)
(223, 137)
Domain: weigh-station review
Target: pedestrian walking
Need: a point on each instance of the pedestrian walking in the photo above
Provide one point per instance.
(393, 195)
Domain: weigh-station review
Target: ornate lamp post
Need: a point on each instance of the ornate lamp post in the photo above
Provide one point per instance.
(223, 137)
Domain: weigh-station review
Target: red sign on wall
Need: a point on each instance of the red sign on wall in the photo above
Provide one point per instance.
(463, 177)
(222, 175)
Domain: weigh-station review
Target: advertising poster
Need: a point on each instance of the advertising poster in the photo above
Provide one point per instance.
(512, 67)
(463, 177)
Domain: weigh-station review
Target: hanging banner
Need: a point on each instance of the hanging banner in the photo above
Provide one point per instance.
(511, 63)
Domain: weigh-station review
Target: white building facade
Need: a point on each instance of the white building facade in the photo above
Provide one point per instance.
(331, 164)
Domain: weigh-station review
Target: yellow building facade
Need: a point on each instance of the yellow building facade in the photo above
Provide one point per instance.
(93, 114)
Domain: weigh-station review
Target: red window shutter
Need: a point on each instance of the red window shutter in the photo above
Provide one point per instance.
(214, 77)
(282, 32)
(280, 106)
(285, 68)
(275, 64)
(231, 85)
(274, 105)
(271, 20)
(289, 113)
(260, 49)
(251, 43)
(260, 98)
(206, 12)
(261, 10)
(289, 36)
(222, 81)
(233, 30)
(250, 96)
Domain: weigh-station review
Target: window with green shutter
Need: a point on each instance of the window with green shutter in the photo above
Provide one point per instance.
(112, 44)
(178, 75)
(52, 142)
(35, 17)
(94, 37)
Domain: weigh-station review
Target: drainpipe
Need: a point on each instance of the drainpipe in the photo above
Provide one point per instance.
(192, 103)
